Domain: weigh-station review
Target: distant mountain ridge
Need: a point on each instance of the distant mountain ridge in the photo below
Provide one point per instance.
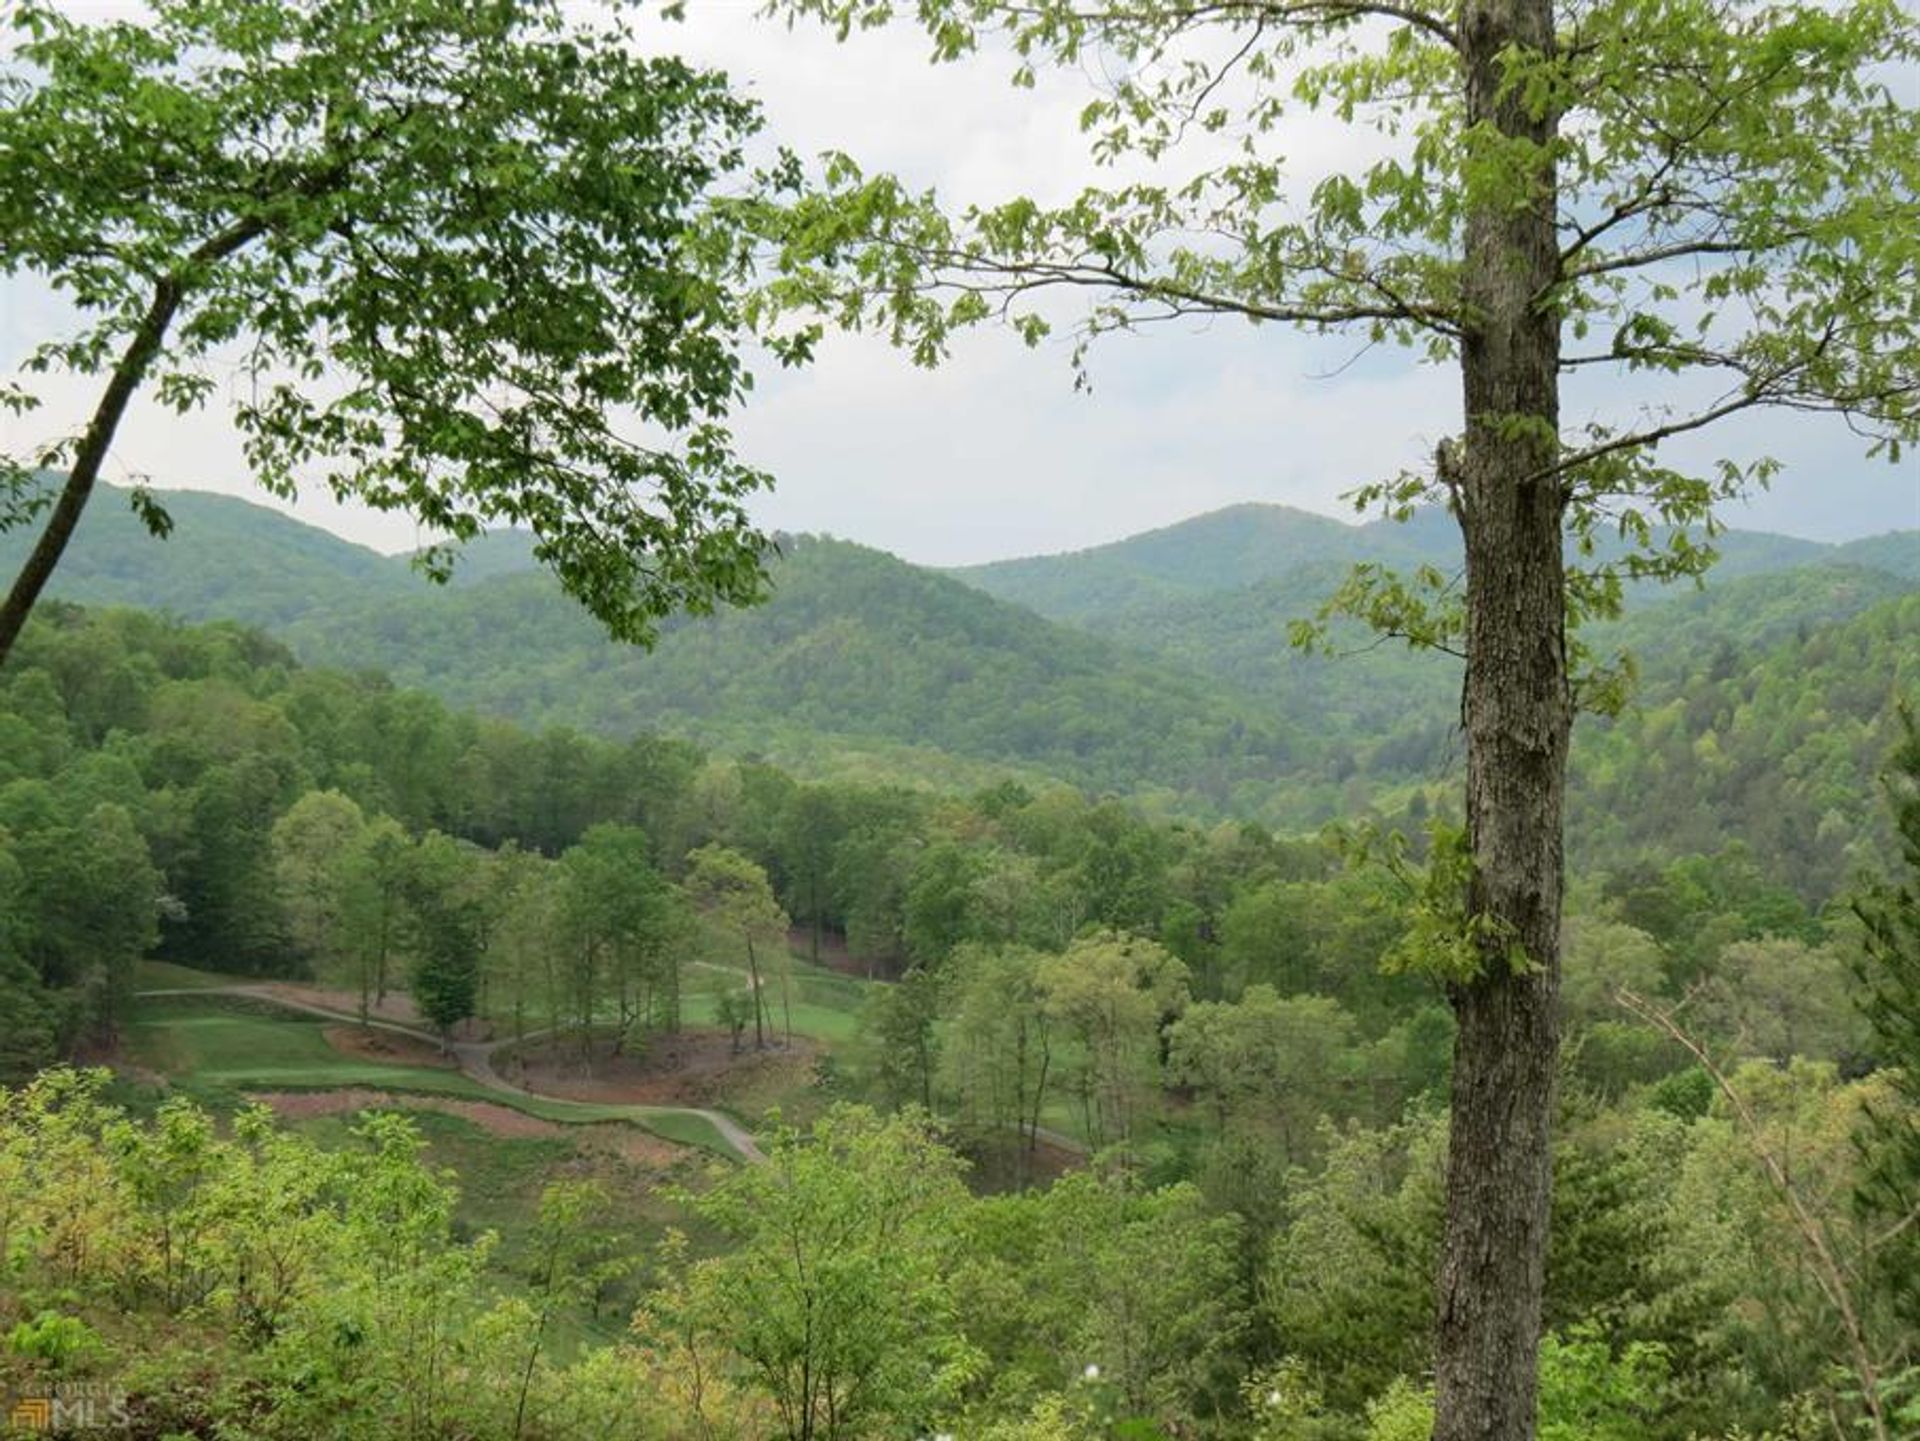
(1240, 545)
(1155, 666)
(1218, 593)
(227, 559)
(1255, 544)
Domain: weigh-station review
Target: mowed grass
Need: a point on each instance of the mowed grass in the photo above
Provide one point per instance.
(229, 1043)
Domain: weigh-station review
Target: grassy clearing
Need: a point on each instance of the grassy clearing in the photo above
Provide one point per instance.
(826, 1004)
(227, 1044)
(816, 1023)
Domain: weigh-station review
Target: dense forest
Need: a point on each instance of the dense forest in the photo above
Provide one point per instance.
(1453, 976)
(1159, 673)
(1214, 1012)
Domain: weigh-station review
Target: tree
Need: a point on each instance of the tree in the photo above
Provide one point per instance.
(1699, 203)
(520, 960)
(617, 906)
(320, 861)
(1141, 1284)
(838, 1291)
(1780, 998)
(736, 898)
(449, 941)
(81, 895)
(999, 1049)
(1889, 974)
(1112, 994)
(938, 908)
(808, 831)
(388, 852)
(1266, 1057)
(451, 244)
(901, 1022)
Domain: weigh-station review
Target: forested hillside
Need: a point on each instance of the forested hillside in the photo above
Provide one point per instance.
(1178, 691)
(226, 559)
(853, 644)
(1253, 545)
(616, 972)
(1227, 1016)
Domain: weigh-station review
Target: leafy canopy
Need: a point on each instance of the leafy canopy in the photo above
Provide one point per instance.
(1736, 190)
(445, 250)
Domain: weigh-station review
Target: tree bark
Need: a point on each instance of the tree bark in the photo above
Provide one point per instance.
(131, 369)
(1517, 713)
(128, 374)
(759, 1022)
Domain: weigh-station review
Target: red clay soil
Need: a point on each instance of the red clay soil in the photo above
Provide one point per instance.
(689, 1068)
(628, 1142)
(387, 1047)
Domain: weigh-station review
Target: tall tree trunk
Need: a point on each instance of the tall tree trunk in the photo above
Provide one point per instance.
(786, 996)
(131, 369)
(759, 1016)
(1517, 713)
(129, 372)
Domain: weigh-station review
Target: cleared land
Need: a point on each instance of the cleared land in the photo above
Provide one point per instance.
(251, 1039)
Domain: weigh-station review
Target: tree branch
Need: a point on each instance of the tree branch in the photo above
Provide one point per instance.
(135, 361)
(1828, 1273)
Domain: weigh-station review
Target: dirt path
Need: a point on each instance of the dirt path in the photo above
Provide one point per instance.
(475, 1058)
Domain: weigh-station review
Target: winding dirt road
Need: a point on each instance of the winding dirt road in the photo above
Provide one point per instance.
(475, 1059)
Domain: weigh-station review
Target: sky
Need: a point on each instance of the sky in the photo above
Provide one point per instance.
(994, 454)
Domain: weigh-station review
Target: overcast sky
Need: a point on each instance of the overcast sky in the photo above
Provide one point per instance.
(995, 454)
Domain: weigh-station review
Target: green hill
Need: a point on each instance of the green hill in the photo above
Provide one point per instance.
(853, 644)
(1771, 741)
(227, 559)
(1275, 550)
(1225, 549)
(1217, 593)
(1170, 677)
(1898, 552)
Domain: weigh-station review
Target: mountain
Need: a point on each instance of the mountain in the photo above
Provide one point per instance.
(853, 643)
(1765, 731)
(227, 559)
(1222, 550)
(856, 652)
(1218, 593)
(1897, 552)
(1169, 678)
(496, 553)
(1282, 550)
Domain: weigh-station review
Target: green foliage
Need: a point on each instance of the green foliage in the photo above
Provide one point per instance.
(900, 1023)
(1888, 972)
(852, 645)
(58, 1342)
(1589, 1394)
(1404, 1412)
(1266, 1062)
(295, 177)
(1110, 994)
(861, 668)
(837, 1294)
